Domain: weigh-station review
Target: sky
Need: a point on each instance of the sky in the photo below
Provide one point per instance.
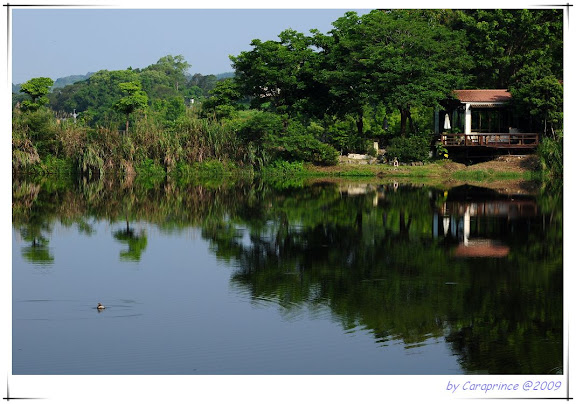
(59, 42)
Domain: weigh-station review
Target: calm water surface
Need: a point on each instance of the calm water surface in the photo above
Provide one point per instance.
(274, 279)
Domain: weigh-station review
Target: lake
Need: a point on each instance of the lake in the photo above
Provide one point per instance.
(306, 277)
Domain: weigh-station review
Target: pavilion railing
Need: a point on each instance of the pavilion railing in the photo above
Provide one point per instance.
(509, 140)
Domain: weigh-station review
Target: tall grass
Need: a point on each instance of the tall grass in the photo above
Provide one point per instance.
(148, 143)
(551, 154)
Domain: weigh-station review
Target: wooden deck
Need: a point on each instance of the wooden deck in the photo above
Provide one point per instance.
(504, 208)
(494, 140)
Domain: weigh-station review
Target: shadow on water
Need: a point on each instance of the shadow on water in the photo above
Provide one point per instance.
(477, 269)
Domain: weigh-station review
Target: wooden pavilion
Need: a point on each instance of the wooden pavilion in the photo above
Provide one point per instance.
(480, 119)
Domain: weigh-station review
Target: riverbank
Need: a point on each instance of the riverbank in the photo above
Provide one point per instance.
(504, 167)
(515, 174)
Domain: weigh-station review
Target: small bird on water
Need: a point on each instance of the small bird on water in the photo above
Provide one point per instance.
(100, 306)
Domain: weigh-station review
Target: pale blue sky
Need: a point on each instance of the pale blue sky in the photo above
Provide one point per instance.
(61, 42)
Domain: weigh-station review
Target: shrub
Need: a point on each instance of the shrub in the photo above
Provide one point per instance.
(344, 137)
(551, 155)
(408, 149)
(40, 127)
(24, 154)
(300, 145)
(149, 168)
(268, 138)
(285, 168)
(90, 164)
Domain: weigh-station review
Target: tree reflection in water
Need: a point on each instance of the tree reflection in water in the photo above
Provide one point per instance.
(396, 260)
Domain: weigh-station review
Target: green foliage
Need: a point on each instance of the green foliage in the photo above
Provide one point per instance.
(270, 138)
(539, 95)
(149, 173)
(441, 151)
(259, 134)
(551, 153)
(24, 152)
(358, 172)
(486, 175)
(408, 149)
(57, 166)
(39, 127)
(396, 57)
(37, 89)
(278, 74)
(174, 68)
(205, 84)
(285, 168)
(502, 42)
(90, 163)
(297, 144)
(170, 109)
(211, 168)
(224, 98)
(343, 136)
(133, 99)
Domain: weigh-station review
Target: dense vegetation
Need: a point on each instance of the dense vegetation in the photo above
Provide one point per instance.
(303, 97)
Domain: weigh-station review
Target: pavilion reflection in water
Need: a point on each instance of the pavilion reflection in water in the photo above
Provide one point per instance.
(477, 221)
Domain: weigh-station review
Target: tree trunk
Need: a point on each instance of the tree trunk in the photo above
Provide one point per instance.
(404, 115)
(127, 123)
(360, 123)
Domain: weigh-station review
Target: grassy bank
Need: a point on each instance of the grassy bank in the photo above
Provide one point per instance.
(520, 169)
(525, 169)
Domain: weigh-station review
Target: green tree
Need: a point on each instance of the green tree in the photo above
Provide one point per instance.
(502, 42)
(174, 67)
(277, 74)
(539, 95)
(37, 89)
(342, 71)
(224, 98)
(399, 58)
(204, 83)
(133, 100)
(95, 97)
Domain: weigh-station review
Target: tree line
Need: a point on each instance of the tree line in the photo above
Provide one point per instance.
(302, 97)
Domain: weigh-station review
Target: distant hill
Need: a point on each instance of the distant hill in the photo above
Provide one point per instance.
(59, 83)
(64, 81)
(223, 76)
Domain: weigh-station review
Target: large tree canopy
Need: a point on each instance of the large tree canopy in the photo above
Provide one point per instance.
(502, 42)
(277, 73)
(37, 89)
(397, 58)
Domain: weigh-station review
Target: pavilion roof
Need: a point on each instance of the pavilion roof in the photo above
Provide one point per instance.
(483, 95)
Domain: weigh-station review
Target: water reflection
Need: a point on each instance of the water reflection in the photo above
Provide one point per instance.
(477, 219)
(135, 240)
(477, 269)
